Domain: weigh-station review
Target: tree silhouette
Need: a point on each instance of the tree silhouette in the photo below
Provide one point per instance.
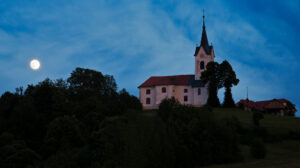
(212, 76)
(228, 79)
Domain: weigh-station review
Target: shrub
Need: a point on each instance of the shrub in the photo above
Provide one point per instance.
(261, 132)
(256, 117)
(258, 149)
(167, 108)
(294, 135)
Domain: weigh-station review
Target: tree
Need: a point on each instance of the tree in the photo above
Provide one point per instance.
(167, 108)
(91, 91)
(228, 79)
(89, 80)
(290, 108)
(256, 117)
(127, 101)
(64, 133)
(258, 149)
(212, 76)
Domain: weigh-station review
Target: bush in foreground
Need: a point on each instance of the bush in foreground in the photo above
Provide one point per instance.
(258, 149)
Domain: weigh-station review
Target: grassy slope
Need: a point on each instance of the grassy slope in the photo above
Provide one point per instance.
(285, 154)
(276, 125)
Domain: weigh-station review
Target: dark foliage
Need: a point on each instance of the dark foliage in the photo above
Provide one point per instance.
(290, 108)
(218, 76)
(200, 139)
(212, 76)
(256, 117)
(258, 149)
(228, 79)
(50, 123)
(85, 122)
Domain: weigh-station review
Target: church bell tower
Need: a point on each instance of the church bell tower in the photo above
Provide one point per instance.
(203, 53)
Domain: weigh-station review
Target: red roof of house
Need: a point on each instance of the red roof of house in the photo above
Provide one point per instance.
(261, 105)
(167, 80)
(248, 103)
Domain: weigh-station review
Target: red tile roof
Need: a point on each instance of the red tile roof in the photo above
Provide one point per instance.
(167, 80)
(262, 105)
(248, 103)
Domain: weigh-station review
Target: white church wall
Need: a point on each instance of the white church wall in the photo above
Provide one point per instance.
(144, 96)
(197, 98)
(179, 94)
(202, 56)
(204, 94)
(156, 95)
(160, 95)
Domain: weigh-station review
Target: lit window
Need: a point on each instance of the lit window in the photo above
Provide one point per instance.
(185, 90)
(185, 98)
(199, 91)
(148, 91)
(163, 90)
(202, 65)
(148, 100)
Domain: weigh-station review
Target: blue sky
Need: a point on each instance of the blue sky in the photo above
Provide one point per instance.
(133, 40)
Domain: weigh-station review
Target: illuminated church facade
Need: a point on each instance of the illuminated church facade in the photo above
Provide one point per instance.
(187, 89)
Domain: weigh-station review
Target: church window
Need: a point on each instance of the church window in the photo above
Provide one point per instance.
(148, 101)
(185, 98)
(185, 90)
(148, 91)
(199, 91)
(202, 65)
(163, 90)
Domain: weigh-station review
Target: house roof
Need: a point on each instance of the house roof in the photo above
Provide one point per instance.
(266, 104)
(270, 104)
(188, 80)
(248, 103)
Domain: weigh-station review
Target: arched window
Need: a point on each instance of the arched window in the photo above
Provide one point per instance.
(148, 101)
(163, 90)
(199, 91)
(202, 65)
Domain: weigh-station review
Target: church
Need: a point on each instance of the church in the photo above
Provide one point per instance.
(187, 89)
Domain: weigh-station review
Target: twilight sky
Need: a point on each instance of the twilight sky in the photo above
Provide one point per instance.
(133, 40)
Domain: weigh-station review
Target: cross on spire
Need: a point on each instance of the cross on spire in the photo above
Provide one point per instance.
(203, 18)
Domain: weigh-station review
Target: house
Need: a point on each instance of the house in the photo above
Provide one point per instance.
(275, 106)
(187, 89)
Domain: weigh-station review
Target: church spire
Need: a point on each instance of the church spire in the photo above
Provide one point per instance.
(203, 20)
(204, 41)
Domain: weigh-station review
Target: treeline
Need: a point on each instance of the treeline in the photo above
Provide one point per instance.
(85, 122)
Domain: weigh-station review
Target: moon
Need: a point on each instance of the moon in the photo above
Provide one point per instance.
(35, 64)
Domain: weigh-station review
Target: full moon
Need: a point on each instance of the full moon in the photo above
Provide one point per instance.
(35, 64)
